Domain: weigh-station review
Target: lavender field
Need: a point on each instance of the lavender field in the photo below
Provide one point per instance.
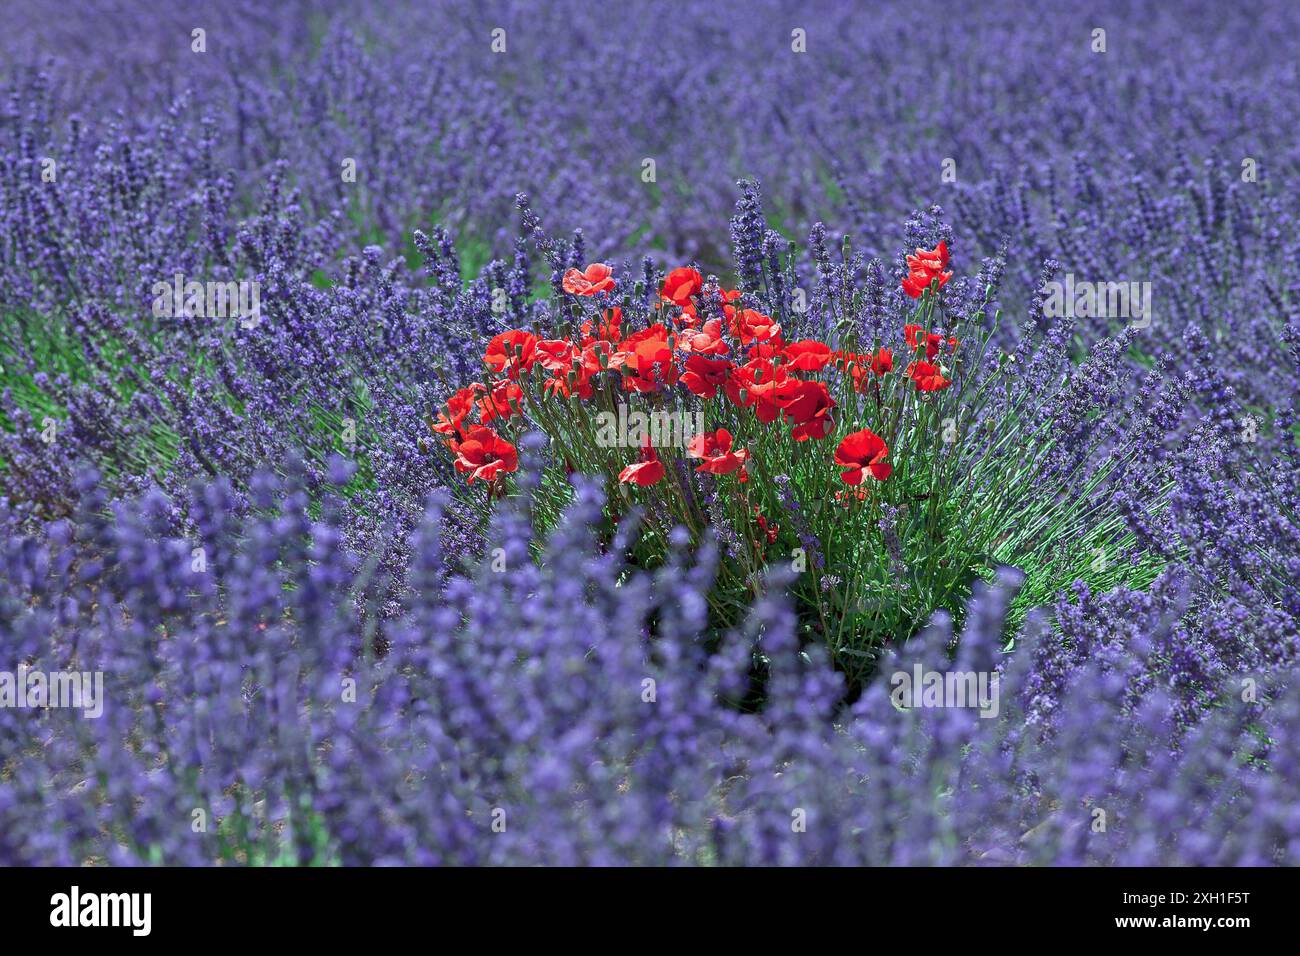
(693, 433)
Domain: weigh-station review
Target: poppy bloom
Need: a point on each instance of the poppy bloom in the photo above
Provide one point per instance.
(750, 326)
(645, 472)
(458, 407)
(860, 452)
(680, 284)
(484, 454)
(769, 349)
(913, 334)
(807, 405)
(716, 451)
(924, 268)
(807, 355)
(556, 355)
(564, 384)
(512, 352)
(596, 278)
(759, 380)
(704, 376)
(928, 377)
(707, 341)
(931, 260)
(648, 356)
(688, 318)
(726, 298)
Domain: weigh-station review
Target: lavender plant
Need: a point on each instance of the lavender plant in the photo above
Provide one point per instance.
(567, 713)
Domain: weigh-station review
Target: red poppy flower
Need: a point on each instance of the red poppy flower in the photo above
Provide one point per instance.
(928, 377)
(648, 357)
(645, 472)
(512, 352)
(555, 354)
(807, 405)
(688, 318)
(759, 379)
(458, 407)
(716, 451)
(704, 376)
(860, 452)
(751, 326)
(564, 384)
(594, 279)
(707, 341)
(817, 427)
(924, 268)
(807, 355)
(766, 350)
(932, 260)
(913, 335)
(484, 454)
(680, 284)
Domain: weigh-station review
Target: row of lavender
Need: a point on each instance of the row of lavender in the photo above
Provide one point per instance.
(237, 620)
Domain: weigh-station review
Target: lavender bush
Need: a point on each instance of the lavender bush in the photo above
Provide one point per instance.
(317, 649)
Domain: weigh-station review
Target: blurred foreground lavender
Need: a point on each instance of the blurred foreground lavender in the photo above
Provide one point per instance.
(529, 717)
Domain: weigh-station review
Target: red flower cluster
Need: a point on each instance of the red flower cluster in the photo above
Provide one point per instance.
(691, 347)
(928, 377)
(862, 367)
